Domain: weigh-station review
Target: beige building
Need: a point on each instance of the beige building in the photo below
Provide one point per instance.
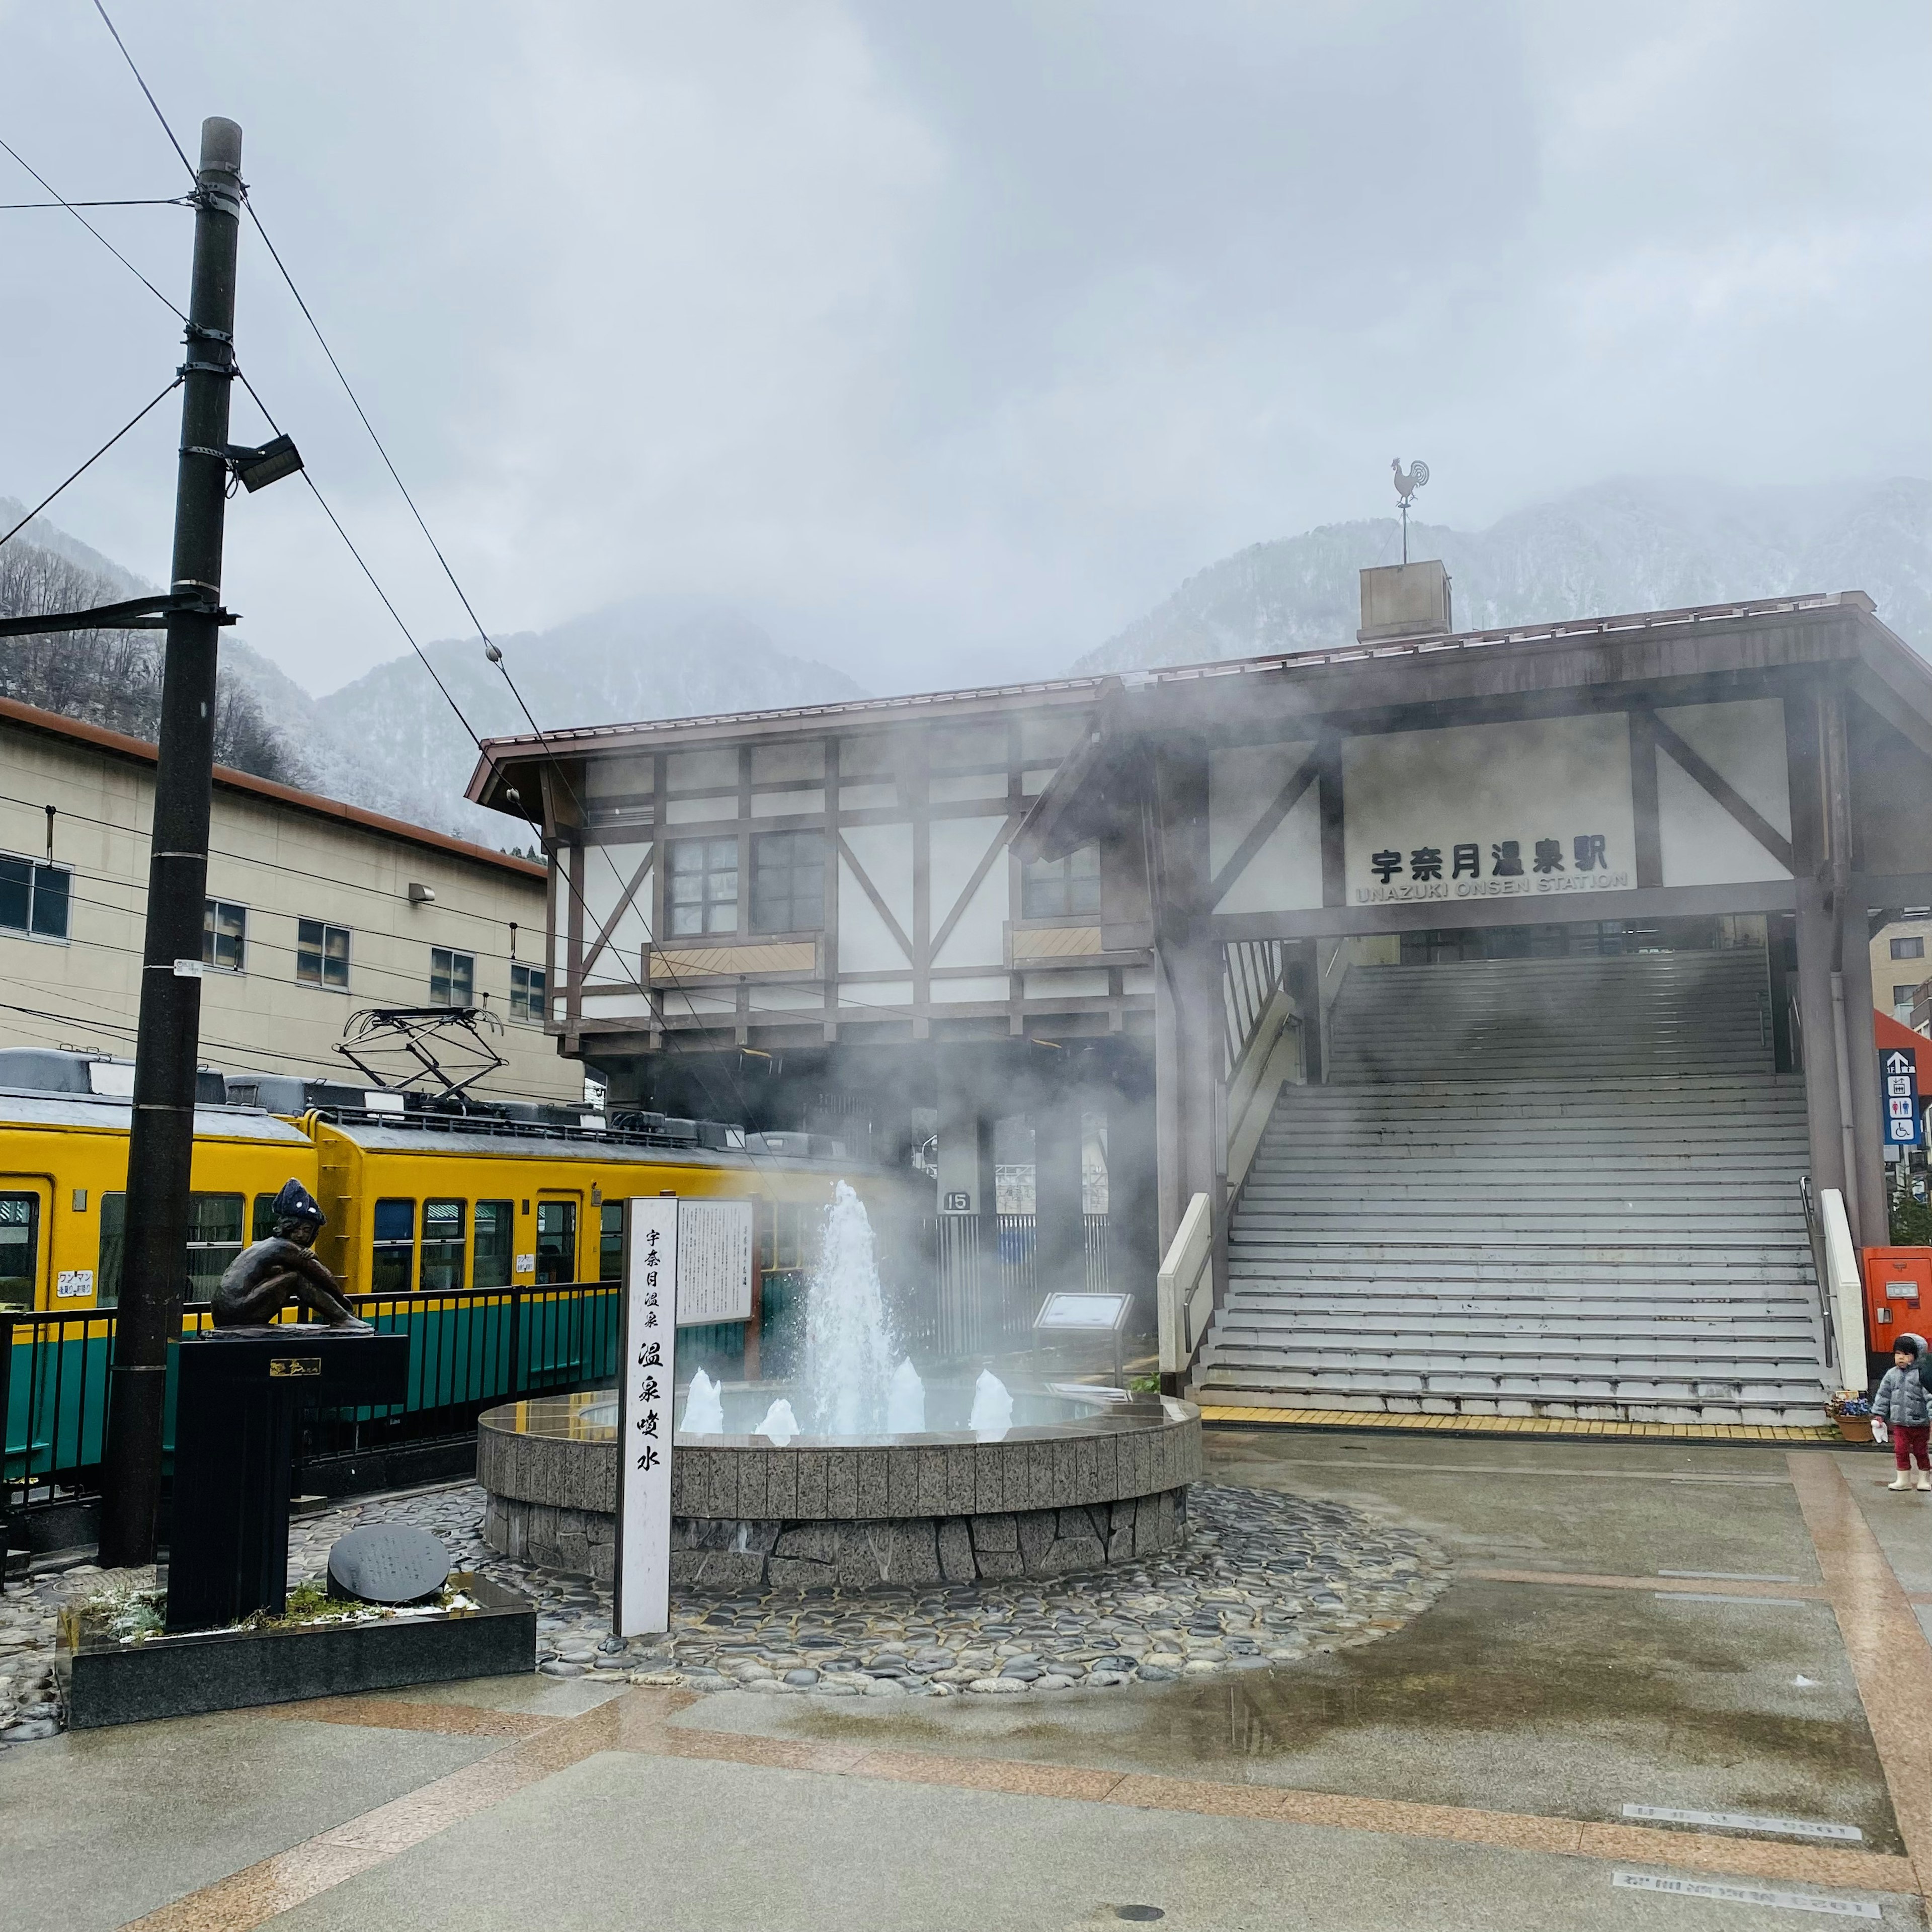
(1901, 961)
(316, 911)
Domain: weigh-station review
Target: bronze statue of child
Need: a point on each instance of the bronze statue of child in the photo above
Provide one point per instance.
(264, 1277)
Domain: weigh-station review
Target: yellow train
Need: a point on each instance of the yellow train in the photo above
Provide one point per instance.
(493, 1238)
(419, 1201)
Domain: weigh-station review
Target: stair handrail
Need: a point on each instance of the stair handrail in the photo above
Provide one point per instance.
(1184, 1288)
(1841, 1290)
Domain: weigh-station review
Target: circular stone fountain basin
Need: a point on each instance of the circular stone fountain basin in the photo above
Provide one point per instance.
(1073, 1486)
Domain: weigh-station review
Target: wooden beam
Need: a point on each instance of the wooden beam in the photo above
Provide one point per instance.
(1265, 827)
(1334, 848)
(1532, 909)
(609, 926)
(1000, 842)
(1643, 798)
(872, 892)
(1711, 781)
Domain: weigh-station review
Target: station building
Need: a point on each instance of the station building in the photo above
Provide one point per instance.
(315, 909)
(1479, 1006)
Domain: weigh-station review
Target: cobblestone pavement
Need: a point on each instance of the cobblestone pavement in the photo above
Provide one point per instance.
(1264, 1579)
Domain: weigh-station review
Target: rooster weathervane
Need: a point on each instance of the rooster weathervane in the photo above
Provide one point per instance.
(1407, 482)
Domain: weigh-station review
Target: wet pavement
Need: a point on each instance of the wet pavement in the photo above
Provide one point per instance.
(1476, 1766)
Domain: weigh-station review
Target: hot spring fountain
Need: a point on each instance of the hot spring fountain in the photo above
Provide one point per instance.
(860, 1474)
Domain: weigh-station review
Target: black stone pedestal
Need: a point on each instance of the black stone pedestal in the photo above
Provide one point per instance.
(238, 1391)
(106, 1681)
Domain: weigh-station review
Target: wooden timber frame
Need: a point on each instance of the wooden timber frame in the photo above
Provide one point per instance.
(1124, 764)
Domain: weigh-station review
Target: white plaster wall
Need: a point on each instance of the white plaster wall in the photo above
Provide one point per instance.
(958, 846)
(1744, 742)
(1482, 784)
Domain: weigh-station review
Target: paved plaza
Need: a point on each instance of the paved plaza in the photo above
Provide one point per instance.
(1571, 1663)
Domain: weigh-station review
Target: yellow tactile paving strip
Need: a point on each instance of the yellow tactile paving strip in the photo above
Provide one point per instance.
(1516, 1425)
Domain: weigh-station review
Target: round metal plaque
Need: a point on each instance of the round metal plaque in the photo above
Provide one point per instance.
(388, 1563)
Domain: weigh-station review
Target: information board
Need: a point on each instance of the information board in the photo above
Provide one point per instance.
(714, 1262)
(1898, 1081)
(641, 1599)
(1103, 1313)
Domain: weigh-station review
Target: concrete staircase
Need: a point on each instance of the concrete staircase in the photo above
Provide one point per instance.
(1561, 1187)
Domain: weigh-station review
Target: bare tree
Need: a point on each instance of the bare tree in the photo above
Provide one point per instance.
(107, 677)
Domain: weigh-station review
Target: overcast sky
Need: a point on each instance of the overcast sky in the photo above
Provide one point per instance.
(943, 340)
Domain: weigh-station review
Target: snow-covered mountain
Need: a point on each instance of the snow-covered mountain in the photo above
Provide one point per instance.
(1631, 545)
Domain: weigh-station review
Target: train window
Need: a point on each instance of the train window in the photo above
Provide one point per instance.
(611, 1241)
(263, 1224)
(394, 1268)
(442, 1245)
(494, 1234)
(557, 1242)
(20, 1249)
(214, 1240)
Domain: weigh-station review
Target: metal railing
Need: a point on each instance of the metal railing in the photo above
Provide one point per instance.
(470, 1348)
(979, 1282)
(1251, 974)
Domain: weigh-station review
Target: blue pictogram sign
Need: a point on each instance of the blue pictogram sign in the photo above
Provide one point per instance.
(1898, 1080)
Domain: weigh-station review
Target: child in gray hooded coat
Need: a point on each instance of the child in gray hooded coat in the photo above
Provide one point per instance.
(1903, 1402)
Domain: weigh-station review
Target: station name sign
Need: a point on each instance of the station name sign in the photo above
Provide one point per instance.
(1497, 867)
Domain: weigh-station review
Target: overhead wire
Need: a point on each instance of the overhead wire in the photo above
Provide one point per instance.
(144, 89)
(491, 649)
(73, 210)
(137, 417)
(146, 201)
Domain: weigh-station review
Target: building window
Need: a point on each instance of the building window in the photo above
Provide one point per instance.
(788, 882)
(1053, 888)
(1908, 949)
(224, 935)
(526, 994)
(322, 954)
(494, 1227)
(1903, 995)
(704, 885)
(33, 898)
(452, 978)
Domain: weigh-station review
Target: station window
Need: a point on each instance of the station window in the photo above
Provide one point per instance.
(452, 978)
(392, 1269)
(557, 1242)
(526, 994)
(788, 882)
(443, 1243)
(33, 898)
(704, 885)
(224, 935)
(1053, 888)
(322, 954)
(20, 1249)
(496, 1226)
(1909, 948)
(611, 1241)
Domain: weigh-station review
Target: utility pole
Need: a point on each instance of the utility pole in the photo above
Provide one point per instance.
(161, 1141)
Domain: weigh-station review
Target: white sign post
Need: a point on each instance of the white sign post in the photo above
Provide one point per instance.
(641, 1599)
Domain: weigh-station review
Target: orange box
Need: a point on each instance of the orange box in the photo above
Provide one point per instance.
(1898, 1295)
